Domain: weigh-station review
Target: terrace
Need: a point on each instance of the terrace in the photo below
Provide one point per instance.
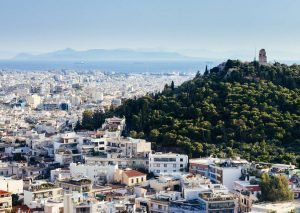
(216, 197)
(42, 187)
(78, 181)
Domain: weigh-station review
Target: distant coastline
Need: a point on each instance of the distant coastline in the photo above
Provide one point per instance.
(119, 66)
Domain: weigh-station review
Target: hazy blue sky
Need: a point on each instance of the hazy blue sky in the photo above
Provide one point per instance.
(221, 28)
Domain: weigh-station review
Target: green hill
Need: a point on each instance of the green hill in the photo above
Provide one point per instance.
(234, 109)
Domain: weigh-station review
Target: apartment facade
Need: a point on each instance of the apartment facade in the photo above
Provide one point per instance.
(38, 194)
(97, 173)
(167, 163)
(5, 201)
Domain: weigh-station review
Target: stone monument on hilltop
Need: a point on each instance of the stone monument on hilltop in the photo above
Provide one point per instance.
(262, 57)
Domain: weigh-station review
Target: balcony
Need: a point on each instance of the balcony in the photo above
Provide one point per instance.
(43, 186)
(80, 182)
(230, 205)
(210, 197)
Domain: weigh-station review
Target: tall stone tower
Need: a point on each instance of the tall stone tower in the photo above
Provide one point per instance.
(262, 57)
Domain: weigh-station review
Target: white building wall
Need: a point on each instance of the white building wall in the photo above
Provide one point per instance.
(27, 197)
(34, 100)
(59, 174)
(191, 194)
(93, 172)
(99, 143)
(11, 185)
(167, 163)
(231, 174)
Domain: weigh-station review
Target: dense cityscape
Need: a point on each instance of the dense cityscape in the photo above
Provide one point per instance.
(51, 163)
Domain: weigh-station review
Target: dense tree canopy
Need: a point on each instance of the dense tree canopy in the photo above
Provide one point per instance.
(234, 109)
(275, 188)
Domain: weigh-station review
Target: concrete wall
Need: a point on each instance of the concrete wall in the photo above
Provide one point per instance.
(11, 185)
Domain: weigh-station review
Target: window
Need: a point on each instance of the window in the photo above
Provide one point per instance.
(137, 180)
(174, 165)
(142, 179)
(164, 159)
(181, 165)
(181, 159)
(132, 181)
(165, 165)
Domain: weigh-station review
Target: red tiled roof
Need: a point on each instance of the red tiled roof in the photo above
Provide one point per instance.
(4, 192)
(133, 173)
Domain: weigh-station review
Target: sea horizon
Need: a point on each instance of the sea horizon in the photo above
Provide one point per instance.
(113, 66)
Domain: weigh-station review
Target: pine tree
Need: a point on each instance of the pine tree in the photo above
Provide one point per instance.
(206, 71)
(166, 87)
(172, 86)
(78, 126)
(87, 120)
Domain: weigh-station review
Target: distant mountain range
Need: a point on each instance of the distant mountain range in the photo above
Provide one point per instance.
(102, 54)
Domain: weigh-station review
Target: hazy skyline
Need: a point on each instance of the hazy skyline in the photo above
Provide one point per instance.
(213, 29)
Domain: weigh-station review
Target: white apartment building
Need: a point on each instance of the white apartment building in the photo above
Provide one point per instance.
(163, 183)
(135, 147)
(115, 206)
(68, 143)
(226, 171)
(129, 147)
(59, 174)
(33, 101)
(14, 186)
(191, 186)
(99, 144)
(134, 163)
(39, 193)
(77, 203)
(160, 202)
(167, 163)
(217, 199)
(63, 157)
(78, 184)
(97, 173)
